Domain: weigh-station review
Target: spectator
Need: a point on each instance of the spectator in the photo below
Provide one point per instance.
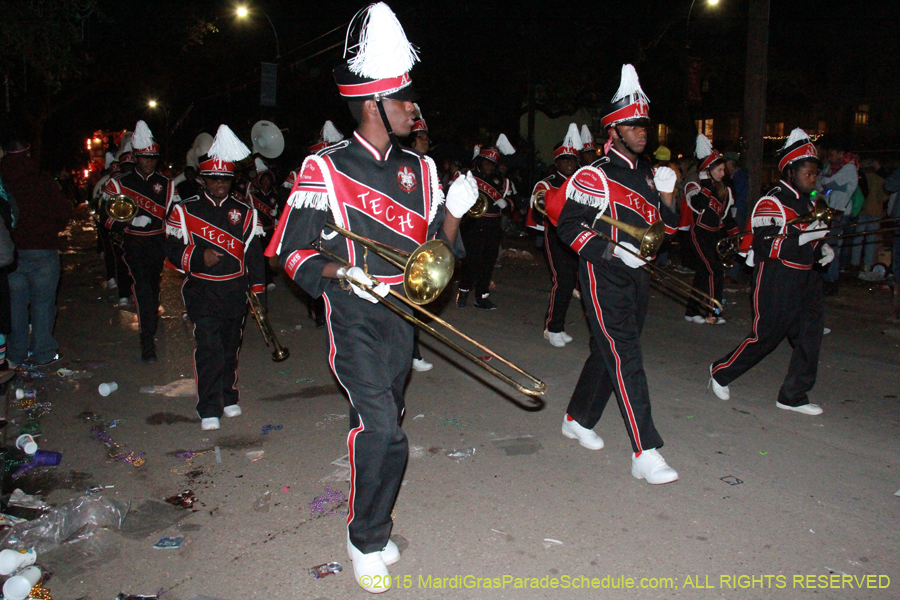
(871, 211)
(738, 179)
(838, 179)
(892, 186)
(43, 212)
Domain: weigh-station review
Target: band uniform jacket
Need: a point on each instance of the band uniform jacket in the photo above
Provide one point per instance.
(266, 206)
(153, 194)
(710, 213)
(770, 215)
(633, 199)
(230, 227)
(394, 199)
(496, 187)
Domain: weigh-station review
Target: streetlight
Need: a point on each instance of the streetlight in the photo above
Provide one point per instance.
(688, 26)
(154, 104)
(243, 12)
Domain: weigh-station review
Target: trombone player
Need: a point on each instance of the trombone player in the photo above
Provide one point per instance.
(787, 292)
(213, 239)
(614, 287)
(371, 186)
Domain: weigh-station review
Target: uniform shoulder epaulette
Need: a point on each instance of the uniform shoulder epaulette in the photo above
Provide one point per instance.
(589, 186)
(768, 212)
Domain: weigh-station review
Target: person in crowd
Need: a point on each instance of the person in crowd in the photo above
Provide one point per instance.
(43, 212)
(214, 240)
(838, 179)
(615, 289)
(261, 195)
(375, 188)
(709, 203)
(863, 247)
(787, 292)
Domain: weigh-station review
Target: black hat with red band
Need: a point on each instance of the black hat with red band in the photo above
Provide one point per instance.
(630, 105)
(797, 147)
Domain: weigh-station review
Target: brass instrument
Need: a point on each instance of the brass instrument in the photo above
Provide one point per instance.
(279, 352)
(426, 271)
(669, 282)
(651, 238)
(121, 207)
(481, 206)
(430, 268)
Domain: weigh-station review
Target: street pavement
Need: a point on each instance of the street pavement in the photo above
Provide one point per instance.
(493, 494)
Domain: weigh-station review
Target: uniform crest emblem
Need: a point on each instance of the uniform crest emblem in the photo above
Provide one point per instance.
(157, 188)
(406, 179)
(234, 215)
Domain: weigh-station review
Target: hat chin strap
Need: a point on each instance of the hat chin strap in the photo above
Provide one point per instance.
(624, 143)
(387, 124)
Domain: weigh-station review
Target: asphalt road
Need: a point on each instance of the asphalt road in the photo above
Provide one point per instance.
(815, 513)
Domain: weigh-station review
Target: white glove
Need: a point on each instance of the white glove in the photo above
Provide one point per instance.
(629, 259)
(664, 178)
(751, 261)
(815, 231)
(140, 221)
(357, 274)
(462, 195)
(502, 203)
(827, 255)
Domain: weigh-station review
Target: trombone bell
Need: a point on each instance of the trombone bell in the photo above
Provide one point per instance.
(121, 207)
(481, 206)
(651, 238)
(428, 271)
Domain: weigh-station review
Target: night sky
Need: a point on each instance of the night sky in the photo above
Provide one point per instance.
(474, 74)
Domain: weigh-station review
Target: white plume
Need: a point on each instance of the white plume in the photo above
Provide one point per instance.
(124, 144)
(418, 112)
(704, 147)
(629, 85)
(330, 133)
(142, 137)
(796, 135)
(477, 150)
(227, 146)
(383, 50)
(586, 136)
(108, 160)
(504, 146)
(260, 165)
(573, 138)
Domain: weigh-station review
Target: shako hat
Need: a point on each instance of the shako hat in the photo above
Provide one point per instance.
(420, 124)
(492, 153)
(142, 141)
(706, 154)
(328, 136)
(797, 147)
(587, 139)
(225, 151)
(630, 105)
(571, 144)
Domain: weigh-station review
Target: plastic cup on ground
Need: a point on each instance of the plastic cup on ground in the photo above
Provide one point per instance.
(46, 458)
(13, 560)
(26, 444)
(22, 394)
(19, 587)
(106, 389)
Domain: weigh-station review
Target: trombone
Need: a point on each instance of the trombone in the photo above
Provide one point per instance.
(650, 238)
(279, 353)
(121, 207)
(424, 269)
(481, 206)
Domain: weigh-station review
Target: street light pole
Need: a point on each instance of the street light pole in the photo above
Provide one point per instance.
(243, 12)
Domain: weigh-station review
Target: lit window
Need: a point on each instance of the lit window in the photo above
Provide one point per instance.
(704, 126)
(663, 133)
(862, 115)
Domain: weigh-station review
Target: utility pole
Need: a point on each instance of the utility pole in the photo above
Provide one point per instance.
(755, 93)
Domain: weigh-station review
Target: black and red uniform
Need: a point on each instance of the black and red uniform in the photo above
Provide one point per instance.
(144, 245)
(786, 294)
(615, 295)
(562, 260)
(482, 236)
(709, 215)
(266, 206)
(216, 297)
(394, 199)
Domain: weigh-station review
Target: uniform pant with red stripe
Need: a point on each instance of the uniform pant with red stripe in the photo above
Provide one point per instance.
(564, 270)
(482, 238)
(215, 362)
(371, 353)
(787, 303)
(709, 274)
(616, 298)
(145, 256)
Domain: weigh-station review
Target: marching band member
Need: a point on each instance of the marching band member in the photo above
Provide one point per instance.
(787, 292)
(615, 288)
(214, 239)
(144, 236)
(482, 235)
(373, 187)
(261, 195)
(710, 203)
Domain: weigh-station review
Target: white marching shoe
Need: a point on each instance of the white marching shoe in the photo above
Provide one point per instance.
(721, 391)
(369, 570)
(421, 365)
(806, 409)
(695, 319)
(566, 337)
(652, 467)
(390, 555)
(209, 423)
(586, 437)
(111, 284)
(556, 339)
(233, 411)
